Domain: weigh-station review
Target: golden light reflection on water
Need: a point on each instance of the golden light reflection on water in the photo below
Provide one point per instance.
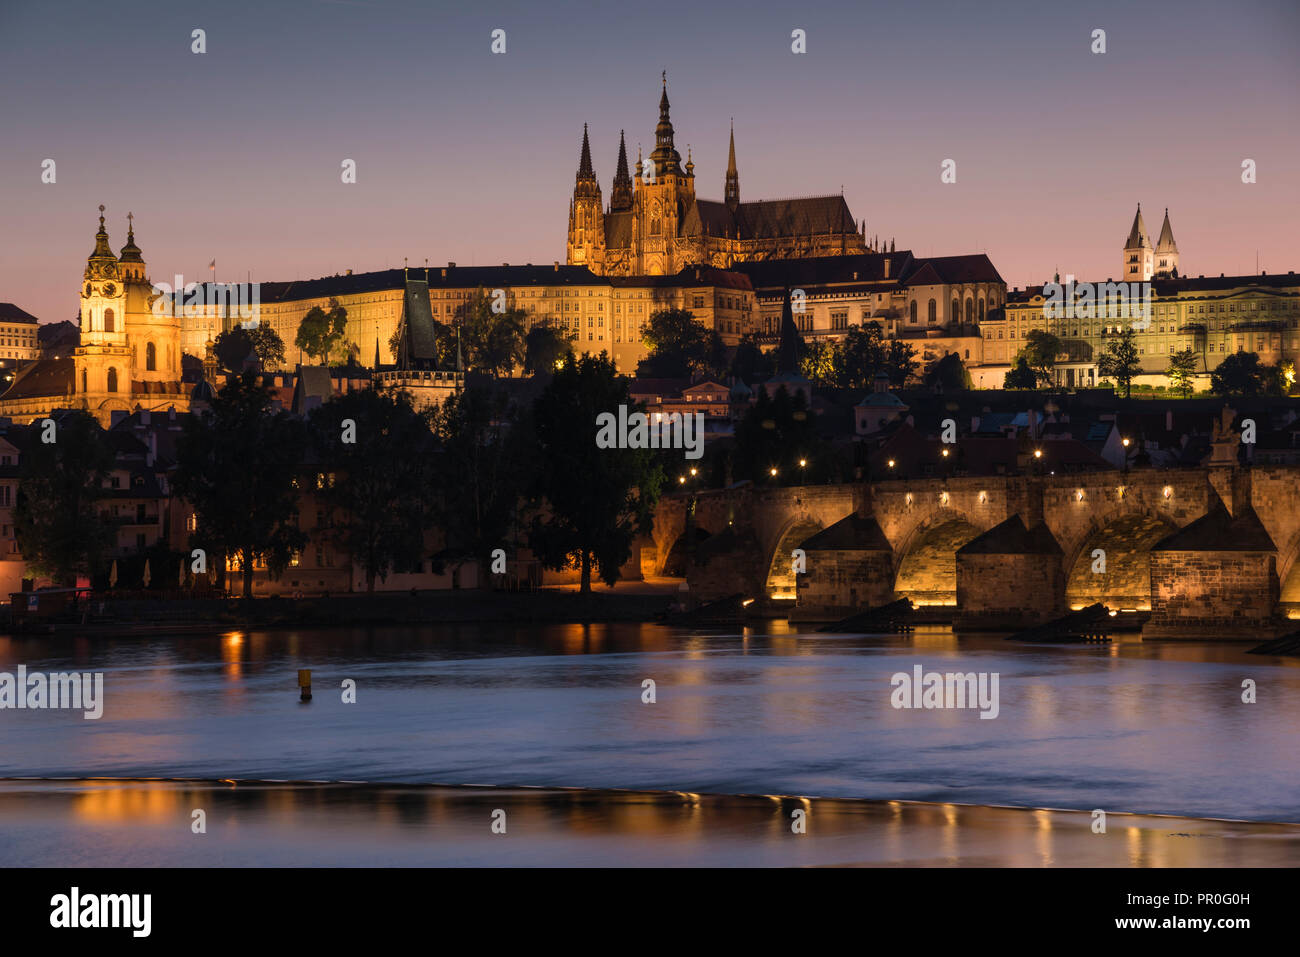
(305, 823)
(121, 802)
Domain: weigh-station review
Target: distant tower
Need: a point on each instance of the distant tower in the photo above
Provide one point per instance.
(1139, 261)
(732, 188)
(587, 215)
(660, 204)
(620, 197)
(102, 362)
(1166, 251)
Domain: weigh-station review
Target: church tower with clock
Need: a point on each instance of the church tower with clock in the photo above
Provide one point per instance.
(102, 362)
(129, 357)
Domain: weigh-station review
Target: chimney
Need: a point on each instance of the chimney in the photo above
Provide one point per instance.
(886, 267)
(557, 265)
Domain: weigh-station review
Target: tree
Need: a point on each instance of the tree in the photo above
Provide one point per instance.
(1241, 374)
(597, 499)
(1121, 361)
(545, 345)
(484, 451)
(776, 432)
(232, 348)
(949, 374)
(56, 513)
(493, 341)
(750, 361)
(818, 362)
(237, 465)
(1020, 376)
(267, 345)
(1182, 367)
(1040, 352)
(379, 450)
(321, 332)
(900, 363)
(865, 354)
(680, 346)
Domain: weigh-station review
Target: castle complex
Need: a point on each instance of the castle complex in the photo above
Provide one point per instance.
(655, 225)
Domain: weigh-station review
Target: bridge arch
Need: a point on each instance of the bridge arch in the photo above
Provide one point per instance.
(780, 580)
(926, 570)
(1120, 576)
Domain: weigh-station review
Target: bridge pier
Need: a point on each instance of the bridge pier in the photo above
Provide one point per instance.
(1010, 577)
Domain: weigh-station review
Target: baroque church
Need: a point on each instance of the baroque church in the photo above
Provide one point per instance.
(128, 358)
(655, 225)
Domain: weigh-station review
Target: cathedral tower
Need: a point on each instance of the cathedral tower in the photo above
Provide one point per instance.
(1166, 251)
(731, 192)
(587, 215)
(1138, 256)
(661, 203)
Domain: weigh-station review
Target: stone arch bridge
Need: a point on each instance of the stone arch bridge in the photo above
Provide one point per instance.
(1210, 552)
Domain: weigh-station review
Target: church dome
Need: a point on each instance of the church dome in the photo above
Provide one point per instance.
(202, 392)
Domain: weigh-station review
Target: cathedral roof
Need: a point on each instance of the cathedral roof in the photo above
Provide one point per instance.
(1166, 242)
(1137, 236)
(770, 219)
(767, 219)
(618, 229)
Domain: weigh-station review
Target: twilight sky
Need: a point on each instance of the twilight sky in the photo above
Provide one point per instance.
(463, 155)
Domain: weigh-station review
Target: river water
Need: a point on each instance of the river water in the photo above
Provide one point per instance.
(1127, 727)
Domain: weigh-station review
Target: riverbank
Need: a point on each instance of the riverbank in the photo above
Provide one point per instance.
(150, 823)
(199, 615)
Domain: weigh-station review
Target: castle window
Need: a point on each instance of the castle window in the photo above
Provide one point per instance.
(150, 357)
(108, 320)
(932, 312)
(112, 379)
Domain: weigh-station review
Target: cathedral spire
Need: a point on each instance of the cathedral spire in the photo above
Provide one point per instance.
(1166, 241)
(584, 161)
(666, 157)
(732, 189)
(620, 198)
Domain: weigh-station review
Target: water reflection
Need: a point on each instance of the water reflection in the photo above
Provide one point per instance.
(107, 823)
(1155, 728)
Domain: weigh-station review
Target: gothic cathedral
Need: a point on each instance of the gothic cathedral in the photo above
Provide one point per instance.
(655, 225)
